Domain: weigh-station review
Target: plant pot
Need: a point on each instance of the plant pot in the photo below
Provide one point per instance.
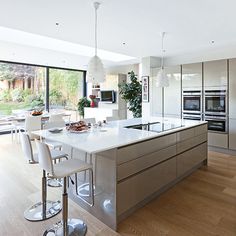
(92, 104)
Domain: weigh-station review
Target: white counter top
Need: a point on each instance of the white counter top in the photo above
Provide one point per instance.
(114, 134)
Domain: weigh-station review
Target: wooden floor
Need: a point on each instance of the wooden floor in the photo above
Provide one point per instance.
(202, 204)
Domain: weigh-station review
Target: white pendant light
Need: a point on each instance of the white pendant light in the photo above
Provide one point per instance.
(95, 72)
(162, 79)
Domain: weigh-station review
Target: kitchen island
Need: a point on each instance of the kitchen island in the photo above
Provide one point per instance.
(134, 161)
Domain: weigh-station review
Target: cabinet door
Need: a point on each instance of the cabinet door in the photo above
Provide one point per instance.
(232, 134)
(172, 94)
(192, 76)
(156, 97)
(218, 140)
(215, 73)
(232, 88)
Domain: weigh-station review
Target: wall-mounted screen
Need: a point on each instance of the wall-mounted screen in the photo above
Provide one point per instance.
(108, 96)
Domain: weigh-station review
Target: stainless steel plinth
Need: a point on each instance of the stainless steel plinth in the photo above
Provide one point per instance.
(83, 190)
(38, 212)
(54, 183)
(75, 227)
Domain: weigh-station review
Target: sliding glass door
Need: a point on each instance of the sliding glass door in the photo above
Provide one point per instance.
(66, 87)
(22, 88)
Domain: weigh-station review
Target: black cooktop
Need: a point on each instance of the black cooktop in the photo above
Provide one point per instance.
(157, 127)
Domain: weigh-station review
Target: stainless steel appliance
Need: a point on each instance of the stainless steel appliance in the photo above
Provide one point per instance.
(192, 101)
(217, 123)
(215, 102)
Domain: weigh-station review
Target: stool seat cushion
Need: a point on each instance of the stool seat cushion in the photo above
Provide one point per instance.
(69, 167)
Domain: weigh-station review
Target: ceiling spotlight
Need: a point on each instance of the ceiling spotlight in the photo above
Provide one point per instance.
(212, 41)
(123, 43)
(57, 23)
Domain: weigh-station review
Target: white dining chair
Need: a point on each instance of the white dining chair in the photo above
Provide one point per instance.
(51, 125)
(63, 170)
(56, 117)
(45, 209)
(32, 123)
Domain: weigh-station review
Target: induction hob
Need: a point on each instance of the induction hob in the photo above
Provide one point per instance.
(157, 127)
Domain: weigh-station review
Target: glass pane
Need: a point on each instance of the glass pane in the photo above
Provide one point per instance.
(22, 89)
(65, 90)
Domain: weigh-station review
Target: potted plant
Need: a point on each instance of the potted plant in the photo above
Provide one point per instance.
(83, 102)
(132, 93)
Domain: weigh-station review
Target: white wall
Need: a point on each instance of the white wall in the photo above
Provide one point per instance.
(123, 69)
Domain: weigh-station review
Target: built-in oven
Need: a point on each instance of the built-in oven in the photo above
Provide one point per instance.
(217, 123)
(215, 102)
(192, 101)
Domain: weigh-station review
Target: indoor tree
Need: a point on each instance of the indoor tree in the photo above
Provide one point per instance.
(132, 93)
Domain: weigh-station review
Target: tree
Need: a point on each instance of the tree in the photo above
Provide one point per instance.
(132, 93)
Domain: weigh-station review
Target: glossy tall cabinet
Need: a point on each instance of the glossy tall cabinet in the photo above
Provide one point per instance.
(192, 76)
(172, 94)
(232, 104)
(215, 74)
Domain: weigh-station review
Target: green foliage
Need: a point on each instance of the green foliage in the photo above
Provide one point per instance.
(5, 95)
(83, 102)
(55, 97)
(35, 101)
(17, 95)
(132, 93)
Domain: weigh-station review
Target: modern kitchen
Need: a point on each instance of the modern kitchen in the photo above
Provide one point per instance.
(117, 120)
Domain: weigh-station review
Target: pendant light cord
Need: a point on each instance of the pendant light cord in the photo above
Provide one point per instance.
(96, 43)
(96, 5)
(162, 49)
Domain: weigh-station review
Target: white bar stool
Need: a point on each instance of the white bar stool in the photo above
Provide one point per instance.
(45, 209)
(66, 227)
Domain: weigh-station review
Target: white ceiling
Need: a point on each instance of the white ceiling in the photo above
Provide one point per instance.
(191, 25)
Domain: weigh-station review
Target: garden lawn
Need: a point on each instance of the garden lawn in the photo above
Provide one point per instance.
(7, 107)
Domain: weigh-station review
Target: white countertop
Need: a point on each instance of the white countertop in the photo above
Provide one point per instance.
(113, 134)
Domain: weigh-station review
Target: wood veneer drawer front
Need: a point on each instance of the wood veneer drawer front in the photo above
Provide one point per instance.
(201, 129)
(135, 189)
(129, 168)
(191, 142)
(185, 134)
(189, 159)
(134, 151)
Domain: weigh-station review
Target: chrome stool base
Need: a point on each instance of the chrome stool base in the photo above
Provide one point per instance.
(35, 213)
(76, 227)
(54, 183)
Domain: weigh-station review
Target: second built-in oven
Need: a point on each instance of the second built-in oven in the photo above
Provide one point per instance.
(217, 123)
(215, 102)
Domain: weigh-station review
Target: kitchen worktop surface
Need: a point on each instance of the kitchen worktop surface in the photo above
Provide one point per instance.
(114, 134)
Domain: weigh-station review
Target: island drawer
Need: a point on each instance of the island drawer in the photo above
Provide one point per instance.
(130, 152)
(138, 187)
(129, 168)
(191, 142)
(191, 158)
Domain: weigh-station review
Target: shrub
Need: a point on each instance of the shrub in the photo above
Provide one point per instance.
(5, 95)
(17, 95)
